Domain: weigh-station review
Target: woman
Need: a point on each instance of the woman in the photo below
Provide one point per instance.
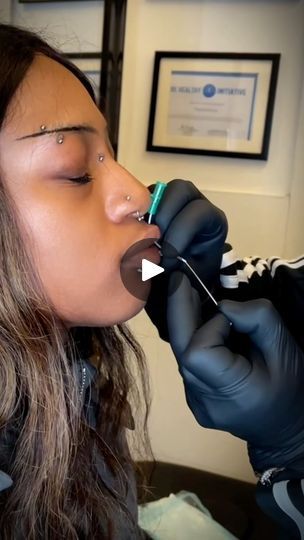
(69, 213)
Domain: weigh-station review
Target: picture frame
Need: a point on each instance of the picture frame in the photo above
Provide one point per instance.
(47, 1)
(90, 64)
(216, 104)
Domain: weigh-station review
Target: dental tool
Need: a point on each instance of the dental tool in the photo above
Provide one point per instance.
(158, 245)
(198, 279)
(183, 260)
(156, 197)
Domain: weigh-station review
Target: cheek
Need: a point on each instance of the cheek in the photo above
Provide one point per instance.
(53, 240)
(79, 271)
(67, 252)
(68, 256)
(77, 256)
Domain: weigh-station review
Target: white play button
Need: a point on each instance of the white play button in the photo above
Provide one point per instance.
(136, 272)
(149, 269)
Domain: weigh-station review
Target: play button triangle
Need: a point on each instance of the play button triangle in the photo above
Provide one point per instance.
(149, 269)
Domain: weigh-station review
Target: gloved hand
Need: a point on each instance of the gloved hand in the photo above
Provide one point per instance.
(197, 230)
(259, 398)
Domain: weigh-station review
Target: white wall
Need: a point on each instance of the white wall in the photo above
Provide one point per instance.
(294, 231)
(263, 200)
(5, 11)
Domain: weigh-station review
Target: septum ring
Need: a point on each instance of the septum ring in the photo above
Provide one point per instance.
(138, 215)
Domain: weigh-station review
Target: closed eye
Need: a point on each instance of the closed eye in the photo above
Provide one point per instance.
(85, 179)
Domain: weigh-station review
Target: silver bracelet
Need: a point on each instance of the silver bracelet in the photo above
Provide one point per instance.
(266, 477)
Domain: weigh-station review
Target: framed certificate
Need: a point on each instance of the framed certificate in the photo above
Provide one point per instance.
(218, 104)
(44, 1)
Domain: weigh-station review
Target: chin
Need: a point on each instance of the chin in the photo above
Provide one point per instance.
(131, 311)
(109, 312)
(123, 314)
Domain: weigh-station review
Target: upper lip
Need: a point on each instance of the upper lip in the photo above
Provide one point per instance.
(151, 234)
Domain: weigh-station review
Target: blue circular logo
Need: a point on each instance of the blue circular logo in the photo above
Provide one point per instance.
(209, 90)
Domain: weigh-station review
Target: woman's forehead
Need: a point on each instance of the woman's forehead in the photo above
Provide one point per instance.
(49, 95)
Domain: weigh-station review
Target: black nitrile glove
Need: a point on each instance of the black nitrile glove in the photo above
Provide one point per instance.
(197, 230)
(259, 398)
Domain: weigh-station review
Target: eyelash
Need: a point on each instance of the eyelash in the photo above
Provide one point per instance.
(82, 180)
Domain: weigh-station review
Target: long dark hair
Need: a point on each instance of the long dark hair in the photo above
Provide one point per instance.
(53, 455)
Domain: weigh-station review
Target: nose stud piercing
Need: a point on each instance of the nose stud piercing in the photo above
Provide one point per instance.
(43, 127)
(100, 157)
(128, 198)
(60, 138)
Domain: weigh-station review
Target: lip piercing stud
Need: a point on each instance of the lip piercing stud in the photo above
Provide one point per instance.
(43, 127)
(128, 197)
(60, 138)
(139, 216)
(100, 157)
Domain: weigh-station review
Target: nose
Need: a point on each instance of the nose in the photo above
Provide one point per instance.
(124, 195)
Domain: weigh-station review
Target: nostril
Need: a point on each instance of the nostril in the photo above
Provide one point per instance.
(138, 215)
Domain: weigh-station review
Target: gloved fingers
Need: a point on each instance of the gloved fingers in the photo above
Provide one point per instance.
(177, 194)
(183, 312)
(198, 228)
(209, 358)
(200, 350)
(197, 405)
(199, 219)
(263, 324)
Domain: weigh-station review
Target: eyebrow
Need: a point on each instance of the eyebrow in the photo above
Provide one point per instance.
(80, 128)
